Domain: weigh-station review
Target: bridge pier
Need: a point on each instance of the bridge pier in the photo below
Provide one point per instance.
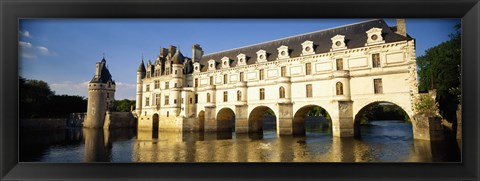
(241, 119)
(285, 119)
(210, 119)
(342, 119)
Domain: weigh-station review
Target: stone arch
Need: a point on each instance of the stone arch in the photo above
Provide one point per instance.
(225, 120)
(201, 120)
(256, 116)
(359, 112)
(155, 125)
(298, 124)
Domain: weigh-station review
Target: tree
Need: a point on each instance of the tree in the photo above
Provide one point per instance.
(439, 68)
(123, 105)
(36, 99)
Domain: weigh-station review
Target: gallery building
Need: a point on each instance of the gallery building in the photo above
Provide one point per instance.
(341, 70)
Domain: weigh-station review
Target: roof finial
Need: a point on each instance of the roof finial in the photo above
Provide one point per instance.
(142, 56)
(103, 55)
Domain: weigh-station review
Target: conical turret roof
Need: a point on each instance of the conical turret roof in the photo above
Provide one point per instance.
(178, 58)
(141, 68)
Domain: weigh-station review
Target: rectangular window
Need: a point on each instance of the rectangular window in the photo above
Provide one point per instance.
(167, 71)
(196, 98)
(339, 64)
(147, 101)
(175, 85)
(167, 85)
(211, 80)
(225, 96)
(176, 72)
(108, 95)
(376, 60)
(283, 71)
(377, 86)
(157, 84)
(261, 74)
(147, 88)
(191, 100)
(196, 82)
(308, 69)
(174, 101)
(262, 94)
(225, 79)
(167, 100)
(241, 76)
(309, 90)
(157, 99)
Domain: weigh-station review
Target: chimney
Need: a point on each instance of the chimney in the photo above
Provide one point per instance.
(401, 27)
(172, 49)
(197, 53)
(163, 52)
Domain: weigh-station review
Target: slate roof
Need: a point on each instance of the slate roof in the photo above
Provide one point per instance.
(105, 75)
(178, 58)
(141, 67)
(355, 37)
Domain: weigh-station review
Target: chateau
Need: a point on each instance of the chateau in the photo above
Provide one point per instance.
(341, 70)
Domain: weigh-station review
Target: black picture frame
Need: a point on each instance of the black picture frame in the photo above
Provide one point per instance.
(11, 11)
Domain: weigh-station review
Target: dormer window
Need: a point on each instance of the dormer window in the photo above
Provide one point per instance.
(307, 48)
(225, 62)
(241, 59)
(374, 36)
(196, 67)
(283, 52)
(261, 56)
(338, 42)
(211, 64)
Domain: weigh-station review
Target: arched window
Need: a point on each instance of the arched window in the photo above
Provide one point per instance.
(262, 94)
(208, 97)
(239, 95)
(282, 92)
(339, 87)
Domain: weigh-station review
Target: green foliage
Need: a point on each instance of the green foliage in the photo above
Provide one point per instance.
(36, 99)
(123, 105)
(426, 105)
(382, 111)
(318, 111)
(440, 69)
(269, 112)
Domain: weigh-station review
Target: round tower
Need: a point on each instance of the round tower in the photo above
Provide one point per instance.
(140, 76)
(101, 96)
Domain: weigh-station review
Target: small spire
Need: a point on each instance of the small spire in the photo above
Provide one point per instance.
(103, 55)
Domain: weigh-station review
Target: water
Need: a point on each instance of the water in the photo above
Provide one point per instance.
(383, 141)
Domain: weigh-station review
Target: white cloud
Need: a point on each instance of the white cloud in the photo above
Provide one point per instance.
(122, 85)
(25, 44)
(70, 88)
(25, 34)
(27, 51)
(43, 50)
(123, 90)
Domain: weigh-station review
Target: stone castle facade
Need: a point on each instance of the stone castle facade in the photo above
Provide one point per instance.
(341, 70)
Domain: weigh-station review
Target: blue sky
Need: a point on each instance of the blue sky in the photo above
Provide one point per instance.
(63, 52)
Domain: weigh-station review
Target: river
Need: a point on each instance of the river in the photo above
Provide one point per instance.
(382, 141)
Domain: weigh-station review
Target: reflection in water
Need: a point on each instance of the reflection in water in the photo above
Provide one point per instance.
(383, 141)
(97, 146)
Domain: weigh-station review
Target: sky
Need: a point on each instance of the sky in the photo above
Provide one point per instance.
(63, 52)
